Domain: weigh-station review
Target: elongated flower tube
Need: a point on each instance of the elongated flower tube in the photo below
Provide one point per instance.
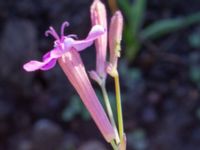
(75, 71)
(66, 51)
(99, 17)
(115, 36)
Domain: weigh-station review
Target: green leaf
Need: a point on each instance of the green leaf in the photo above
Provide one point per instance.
(132, 44)
(137, 15)
(125, 6)
(134, 14)
(163, 27)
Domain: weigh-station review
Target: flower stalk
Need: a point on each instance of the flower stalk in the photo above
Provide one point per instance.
(115, 36)
(110, 112)
(119, 107)
(114, 145)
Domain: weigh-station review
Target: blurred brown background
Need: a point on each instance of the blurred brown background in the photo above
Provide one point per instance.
(160, 86)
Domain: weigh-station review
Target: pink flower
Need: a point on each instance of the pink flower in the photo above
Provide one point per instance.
(66, 51)
(75, 71)
(99, 17)
(62, 45)
(115, 37)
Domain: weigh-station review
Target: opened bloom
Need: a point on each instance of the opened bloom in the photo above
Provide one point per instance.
(62, 45)
(66, 50)
(99, 17)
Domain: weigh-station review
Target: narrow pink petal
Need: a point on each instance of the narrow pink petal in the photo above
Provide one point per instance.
(56, 53)
(46, 56)
(33, 65)
(49, 65)
(51, 57)
(49, 61)
(94, 33)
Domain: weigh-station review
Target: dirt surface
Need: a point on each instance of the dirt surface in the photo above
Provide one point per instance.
(160, 87)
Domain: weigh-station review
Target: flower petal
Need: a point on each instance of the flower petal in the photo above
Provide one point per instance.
(33, 65)
(46, 56)
(94, 33)
(49, 61)
(56, 53)
(49, 65)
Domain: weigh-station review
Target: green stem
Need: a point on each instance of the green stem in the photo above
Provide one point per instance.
(119, 107)
(114, 146)
(109, 111)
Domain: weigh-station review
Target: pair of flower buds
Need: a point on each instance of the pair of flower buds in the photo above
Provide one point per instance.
(66, 52)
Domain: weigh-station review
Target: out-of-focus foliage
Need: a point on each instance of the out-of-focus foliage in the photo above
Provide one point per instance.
(195, 68)
(75, 108)
(131, 75)
(137, 139)
(163, 27)
(194, 39)
(134, 15)
(134, 35)
(198, 113)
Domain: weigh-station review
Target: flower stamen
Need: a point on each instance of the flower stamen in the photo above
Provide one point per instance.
(65, 24)
(52, 32)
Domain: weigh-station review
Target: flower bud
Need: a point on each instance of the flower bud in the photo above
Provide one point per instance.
(99, 17)
(115, 36)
